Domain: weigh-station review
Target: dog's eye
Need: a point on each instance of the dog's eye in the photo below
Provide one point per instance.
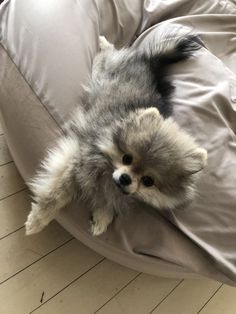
(127, 159)
(147, 181)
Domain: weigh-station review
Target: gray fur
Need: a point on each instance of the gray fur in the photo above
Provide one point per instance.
(121, 116)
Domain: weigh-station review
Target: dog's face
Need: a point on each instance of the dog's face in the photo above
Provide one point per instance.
(153, 159)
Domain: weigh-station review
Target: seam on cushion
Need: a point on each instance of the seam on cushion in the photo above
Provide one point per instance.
(21, 74)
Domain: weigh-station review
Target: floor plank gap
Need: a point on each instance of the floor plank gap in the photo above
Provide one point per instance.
(178, 284)
(117, 293)
(18, 272)
(9, 195)
(210, 298)
(6, 163)
(102, 259)
(8, 234)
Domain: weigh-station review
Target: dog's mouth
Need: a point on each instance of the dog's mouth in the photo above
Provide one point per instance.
(121, 188)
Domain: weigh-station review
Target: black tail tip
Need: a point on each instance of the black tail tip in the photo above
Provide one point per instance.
(186, 46)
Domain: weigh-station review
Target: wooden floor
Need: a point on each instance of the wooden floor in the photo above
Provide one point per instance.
(54, 273)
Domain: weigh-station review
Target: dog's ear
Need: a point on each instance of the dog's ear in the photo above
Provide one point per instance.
(151, 113)
(195, 161)
(104, 44)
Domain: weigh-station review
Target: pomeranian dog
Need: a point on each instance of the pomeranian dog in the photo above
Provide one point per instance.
(122, 146)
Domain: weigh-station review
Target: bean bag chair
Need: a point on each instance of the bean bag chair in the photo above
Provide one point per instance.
(46, 54)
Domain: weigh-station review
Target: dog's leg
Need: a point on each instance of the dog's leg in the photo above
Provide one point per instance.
(54, 186)
(104, 43)
(100, 220)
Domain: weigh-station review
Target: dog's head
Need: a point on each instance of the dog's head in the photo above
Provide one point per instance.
(153, 159)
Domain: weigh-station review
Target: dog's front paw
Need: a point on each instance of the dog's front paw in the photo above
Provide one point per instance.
(35, 220)
(100, 221)
(104, 43)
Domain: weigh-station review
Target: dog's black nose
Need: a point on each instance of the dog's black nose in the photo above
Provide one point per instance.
(125, 179)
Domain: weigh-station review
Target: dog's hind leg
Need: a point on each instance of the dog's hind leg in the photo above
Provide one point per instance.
(54, 185)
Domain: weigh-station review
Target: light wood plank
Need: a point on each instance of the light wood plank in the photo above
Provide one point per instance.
(10, 180)
(4, 152)
(1, 129)
(46, 277)
(91, 291)
(19, 251)
(193, 295)
(223, 302)
(13, 212)
(140, 296)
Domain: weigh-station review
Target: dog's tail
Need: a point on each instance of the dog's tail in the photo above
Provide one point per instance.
(170, 50)
(173, 50)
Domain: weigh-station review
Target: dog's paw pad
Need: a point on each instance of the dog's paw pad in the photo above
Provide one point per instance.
(98, 225)
(35, 222)
(97, 229)
(33, 226)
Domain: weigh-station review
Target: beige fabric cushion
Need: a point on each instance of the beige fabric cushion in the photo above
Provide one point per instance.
(46, 55)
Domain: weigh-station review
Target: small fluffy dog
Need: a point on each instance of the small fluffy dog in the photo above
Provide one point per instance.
(122, 146)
